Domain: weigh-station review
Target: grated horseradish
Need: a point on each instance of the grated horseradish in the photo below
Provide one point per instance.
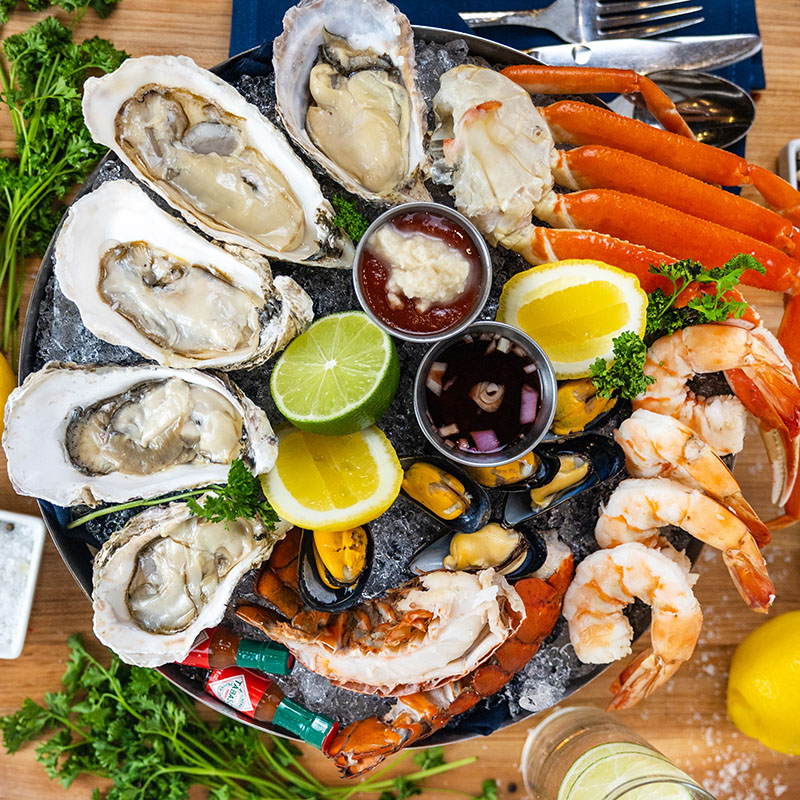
(423, 268)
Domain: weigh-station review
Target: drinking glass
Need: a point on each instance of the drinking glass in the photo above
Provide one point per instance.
(582, 753)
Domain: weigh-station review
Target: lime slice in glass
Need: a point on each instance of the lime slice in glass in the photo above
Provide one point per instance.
(338, 377)
(611, 766)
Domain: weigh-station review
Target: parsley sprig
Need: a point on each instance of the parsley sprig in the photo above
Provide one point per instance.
(624, 376)
(102, 7)
(41, 86)
(130, 725)
(663, 317)
(349, 218)
(240, 497)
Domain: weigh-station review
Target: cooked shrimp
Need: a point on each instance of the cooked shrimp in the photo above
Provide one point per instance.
(760, 375)
(658, 446)
(638, 507)
(607, 581)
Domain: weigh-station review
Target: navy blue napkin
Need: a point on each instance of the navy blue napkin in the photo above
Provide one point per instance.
(256, 21)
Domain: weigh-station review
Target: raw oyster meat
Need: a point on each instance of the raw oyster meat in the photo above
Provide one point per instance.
(345, 80)
(94, 433)
(167, 575)
(214, 157)
(143, 279)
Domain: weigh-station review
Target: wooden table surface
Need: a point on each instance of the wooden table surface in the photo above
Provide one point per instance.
(686, 718)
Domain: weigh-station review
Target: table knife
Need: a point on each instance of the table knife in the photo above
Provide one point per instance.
(647, 55)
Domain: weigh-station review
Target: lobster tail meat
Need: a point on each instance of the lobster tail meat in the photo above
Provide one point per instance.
(362, 745)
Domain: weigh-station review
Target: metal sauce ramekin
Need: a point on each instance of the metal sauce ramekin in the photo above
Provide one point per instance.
(547, 398)
(483, 256)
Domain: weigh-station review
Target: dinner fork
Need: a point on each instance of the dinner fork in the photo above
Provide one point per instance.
(590, 20)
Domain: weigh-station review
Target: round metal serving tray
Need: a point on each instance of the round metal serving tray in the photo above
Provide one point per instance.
(78, 556)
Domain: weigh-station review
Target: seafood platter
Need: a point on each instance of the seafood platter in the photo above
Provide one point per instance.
(461, 523)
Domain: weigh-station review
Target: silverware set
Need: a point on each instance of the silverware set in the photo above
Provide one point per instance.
(618, 33)
(593, 20)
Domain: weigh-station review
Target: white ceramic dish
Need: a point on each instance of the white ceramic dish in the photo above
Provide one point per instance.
(787, 163)
(17, 615)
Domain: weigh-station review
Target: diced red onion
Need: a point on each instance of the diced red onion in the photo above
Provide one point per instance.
(504, 345)
(486, 441)
(448, 430)
(463, 444)
(528, 368)
(435, 374)
(528, 403)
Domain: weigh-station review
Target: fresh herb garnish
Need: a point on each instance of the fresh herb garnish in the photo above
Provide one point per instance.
(625, 374)
(664, 318)
(132, 726)
(102, 7)
(489, 790)
(347, 217)
(41, 86)
(240, 497)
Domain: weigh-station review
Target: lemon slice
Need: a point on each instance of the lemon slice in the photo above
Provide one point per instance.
(574, 309)
(330, 483)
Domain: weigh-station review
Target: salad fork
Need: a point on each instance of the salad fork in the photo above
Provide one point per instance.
(590, 20)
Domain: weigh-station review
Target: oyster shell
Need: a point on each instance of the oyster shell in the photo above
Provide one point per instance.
(214, 157)
(92, 433)
(166, 576)
(345, 79)
(143, 279)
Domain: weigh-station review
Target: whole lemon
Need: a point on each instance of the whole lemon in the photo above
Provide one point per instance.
(8, 380)
(764, 684)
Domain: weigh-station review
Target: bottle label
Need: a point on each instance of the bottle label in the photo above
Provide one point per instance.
(200, 652)
(238, 688)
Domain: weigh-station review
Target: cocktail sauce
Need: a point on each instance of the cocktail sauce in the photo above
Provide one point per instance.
(374, 274)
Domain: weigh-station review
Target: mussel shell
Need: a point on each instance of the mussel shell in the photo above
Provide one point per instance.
(318, 595)
(475, 517)
(546, 470)
(590, 426)
(605, 458)
(431, 557)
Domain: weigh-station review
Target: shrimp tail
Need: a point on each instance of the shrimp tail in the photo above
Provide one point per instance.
(640, 678)
(749, 573)
(737, 505)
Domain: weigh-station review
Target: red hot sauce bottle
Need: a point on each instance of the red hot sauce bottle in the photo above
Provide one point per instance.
(257, 697)
(219, 647)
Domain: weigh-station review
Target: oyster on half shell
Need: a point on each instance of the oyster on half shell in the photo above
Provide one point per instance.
(214, 157)
(345, 80)
(167, 575)
(143, 279)
(91, 434)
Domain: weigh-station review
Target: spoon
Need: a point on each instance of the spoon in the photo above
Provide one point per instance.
(718, 111)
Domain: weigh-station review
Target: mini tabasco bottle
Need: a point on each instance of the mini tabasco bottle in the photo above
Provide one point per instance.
(219, 647)
(257, 697)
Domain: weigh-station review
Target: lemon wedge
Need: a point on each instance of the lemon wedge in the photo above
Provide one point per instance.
(574, 309)
(331, 483)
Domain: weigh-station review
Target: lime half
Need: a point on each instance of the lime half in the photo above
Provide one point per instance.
(338, 377)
